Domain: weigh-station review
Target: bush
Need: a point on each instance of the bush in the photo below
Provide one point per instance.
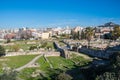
(15, 48)
(44, 44)
(8, 40)
(9, 74)
(2, 51)
(32, 47)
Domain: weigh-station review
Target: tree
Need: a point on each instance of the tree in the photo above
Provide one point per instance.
(65, 36)
(26, 34)
(15, 47)
(107, 76)
(78, 34)
(83, 35)
(116, 32)
(8, 40)
(9, 74)
(32, 47)
(2, 51)
(89, 33)
(114, 74)
(44, 44)
(75, 35)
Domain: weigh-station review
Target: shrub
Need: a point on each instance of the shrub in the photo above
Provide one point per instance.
(9, 74)
(8, 40)
(15, 47)
(2, 51)
(32, 47)
(43, 45)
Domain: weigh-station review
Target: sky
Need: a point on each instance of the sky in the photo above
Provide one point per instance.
(57, 13)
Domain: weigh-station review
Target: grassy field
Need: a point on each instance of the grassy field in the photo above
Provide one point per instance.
(43, 64)
(25, 46)
(21, 46)
(58, 63)
(50, 44)
(15, 61)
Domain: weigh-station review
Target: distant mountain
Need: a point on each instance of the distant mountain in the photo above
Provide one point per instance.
(109, 24)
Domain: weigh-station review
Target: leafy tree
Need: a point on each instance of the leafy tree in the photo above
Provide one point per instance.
(2, 51)
(15, 47)
(107, 76)
(83, 35)
(75, 35)
(116, 32)
(9, 74)
(32, 47)
(26, 34)
(78, 34)
(44, 44)
(8, 40)
(114, 74)
(89, 33)
(65, 36)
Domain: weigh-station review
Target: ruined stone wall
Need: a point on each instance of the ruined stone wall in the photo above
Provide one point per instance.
(51, 53)
(95, 53)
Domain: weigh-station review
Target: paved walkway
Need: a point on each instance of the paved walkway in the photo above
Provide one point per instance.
(28, 64)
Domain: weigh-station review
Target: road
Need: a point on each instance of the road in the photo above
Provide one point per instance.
(28, 64)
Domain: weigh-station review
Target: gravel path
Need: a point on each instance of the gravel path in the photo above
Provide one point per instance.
(28, 64)
(51, 66)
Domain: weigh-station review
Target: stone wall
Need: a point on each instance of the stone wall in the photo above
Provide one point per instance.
(63, 53)
(21, 53)
(95, 53)
(50, 53)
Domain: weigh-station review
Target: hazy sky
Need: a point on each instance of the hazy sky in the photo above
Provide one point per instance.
(52, 13)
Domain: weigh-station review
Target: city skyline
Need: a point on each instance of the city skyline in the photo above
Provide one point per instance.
(47, 13)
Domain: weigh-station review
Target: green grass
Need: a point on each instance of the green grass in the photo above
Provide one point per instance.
(44, 65)
(50, 44)
(26, 73)
(79, 61)
(60, 62)
(1, 41)
(57, 62)
(21, 46)
(15, 61)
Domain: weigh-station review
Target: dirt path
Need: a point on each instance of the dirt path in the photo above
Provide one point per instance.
(51, 66)
(28, 64)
